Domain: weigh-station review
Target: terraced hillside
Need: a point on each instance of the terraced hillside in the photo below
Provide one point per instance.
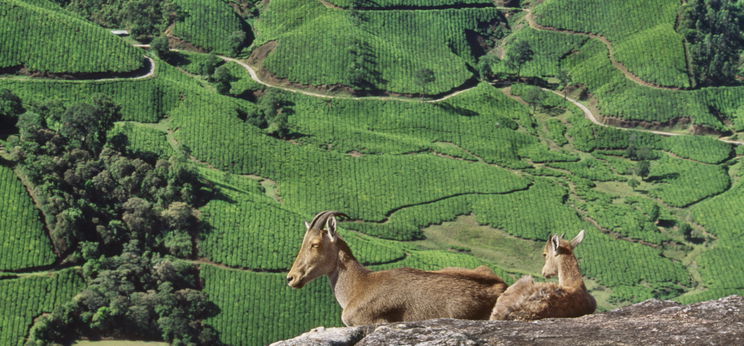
(414, 118)
(369, 50)
(38, 37)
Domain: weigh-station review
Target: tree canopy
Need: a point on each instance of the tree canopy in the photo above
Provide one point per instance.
(714, 30)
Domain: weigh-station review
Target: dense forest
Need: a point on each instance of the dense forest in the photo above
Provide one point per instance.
(714, 30)
(119, 214)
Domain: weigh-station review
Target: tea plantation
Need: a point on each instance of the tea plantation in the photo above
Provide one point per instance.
(169, 205)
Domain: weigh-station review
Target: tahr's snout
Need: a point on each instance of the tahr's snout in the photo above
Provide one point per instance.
(294, 280)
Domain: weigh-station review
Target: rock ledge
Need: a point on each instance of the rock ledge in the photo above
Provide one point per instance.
(653, 322)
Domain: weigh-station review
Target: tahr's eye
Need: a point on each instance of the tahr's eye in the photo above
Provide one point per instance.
(315, 245)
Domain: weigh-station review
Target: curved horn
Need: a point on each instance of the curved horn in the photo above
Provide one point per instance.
(320, 219)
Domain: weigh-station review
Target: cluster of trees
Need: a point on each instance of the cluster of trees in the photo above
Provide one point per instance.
(212, 68)
(515, 58)
(272, 114)
(92, 189)
(10, 108)
(518, 55)
(120, 214)
(247, 8)
(143, 18)
(133, 294)
(713, 29)
(491, 33)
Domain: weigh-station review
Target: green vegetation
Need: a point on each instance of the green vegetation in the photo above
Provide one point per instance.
(145, 19)
(621, 98)
(142, 140)
(681, 182)
(182, 195)
(466, 235)
(39, 38)
(212, 25)
(699, 148)
(713, 31)
(24, 299)
(239, 294)
(391, 46)
(548, 47)
(642, 33)
(592, 169)
(216, 137)
(24, 243)
(248, 230)
(372, 4)
(145, 100)
(718, 266)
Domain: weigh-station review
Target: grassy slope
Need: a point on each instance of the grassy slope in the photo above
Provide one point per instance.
(209, 25)
(418, 3)
(642, 33)
(622, 98)
(395, 44)
(24, 299)
(143, 100)
(42, 37)
(480, 141)
(24, 243)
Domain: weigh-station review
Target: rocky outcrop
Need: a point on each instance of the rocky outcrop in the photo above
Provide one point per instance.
(653, 322)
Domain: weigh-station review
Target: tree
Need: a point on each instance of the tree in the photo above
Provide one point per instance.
(10, 104)
(274, 112)
(139, 217)
(534, 96)
(30, 126)
(207, 67)
(159, 45)
(237, 40)
(485, 66)
(279, 125)
(178, 215)
(564, 79)
(144, 18)
(117, 216)
(424, 77)
(361, 72)
(633, 183)
(713, 30)
(86, 125)
(519, 54)
(223, 78)
(642, 168)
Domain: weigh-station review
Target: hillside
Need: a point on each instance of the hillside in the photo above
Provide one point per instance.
(171, 187)
(38, 37)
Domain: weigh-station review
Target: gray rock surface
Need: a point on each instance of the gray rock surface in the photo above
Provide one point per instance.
(653, 322)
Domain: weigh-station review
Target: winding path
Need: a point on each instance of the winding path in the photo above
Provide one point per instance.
(592, 117)
(587, 112)
(333, 6)
(148, 74)
(615, 63)
(254, 75)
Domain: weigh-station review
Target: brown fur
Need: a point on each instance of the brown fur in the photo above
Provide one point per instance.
(403, 294)
(528, 300)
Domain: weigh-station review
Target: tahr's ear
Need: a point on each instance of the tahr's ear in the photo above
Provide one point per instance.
(307, 225)
(555, 241)
(331, 228)
(578, 239)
